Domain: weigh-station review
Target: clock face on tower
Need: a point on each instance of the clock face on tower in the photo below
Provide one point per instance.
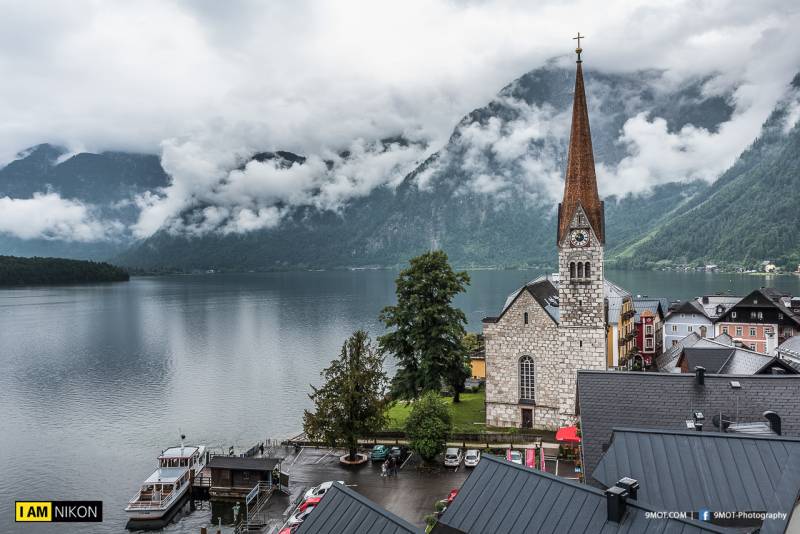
(579, 238)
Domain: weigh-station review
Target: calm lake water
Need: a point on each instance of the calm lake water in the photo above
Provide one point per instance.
(96, 380)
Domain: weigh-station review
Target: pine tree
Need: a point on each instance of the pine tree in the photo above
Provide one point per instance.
(428, 330)
(352, 402)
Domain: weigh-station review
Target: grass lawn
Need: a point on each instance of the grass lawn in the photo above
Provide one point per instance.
(471, 410)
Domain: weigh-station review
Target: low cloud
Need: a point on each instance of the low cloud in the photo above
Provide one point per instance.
(48, 216)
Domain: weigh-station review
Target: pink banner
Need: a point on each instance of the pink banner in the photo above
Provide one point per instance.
(541, 460)
(530, 457)
(508, 454)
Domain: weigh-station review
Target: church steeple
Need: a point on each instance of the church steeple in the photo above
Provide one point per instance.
(580, 185)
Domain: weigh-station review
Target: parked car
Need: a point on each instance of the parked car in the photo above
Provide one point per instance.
(515, 456)
(299, 516)
(289, 530)
(452, 457)
(322, 489)
(451, 496)
(379, 452)
(312, 502)
(472, 457)
(398, 453)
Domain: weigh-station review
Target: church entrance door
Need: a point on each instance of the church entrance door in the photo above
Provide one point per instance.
(527, 418)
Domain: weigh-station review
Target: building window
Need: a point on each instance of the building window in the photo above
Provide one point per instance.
(572, 269)
(752, 346)
(724, 329)
(752, 332)
(587, 270)
(733, 315)
(648, 343)
(525, 317)
(760, 315)
(580, 269)
(739, 331)
(674, 342)
(768, 330)
(690, 328)
(674, 328)
(648, 329)
(780, 316)
(526, 378)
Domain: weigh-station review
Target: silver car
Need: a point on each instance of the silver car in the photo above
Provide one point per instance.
(472, 457)
(452, 457)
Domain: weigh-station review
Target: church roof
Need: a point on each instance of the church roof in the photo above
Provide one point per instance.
(580, 185)
(544, 290)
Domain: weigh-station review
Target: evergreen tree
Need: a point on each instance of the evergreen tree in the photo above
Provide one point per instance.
(428, 330)
(428, 425)
(352, 402)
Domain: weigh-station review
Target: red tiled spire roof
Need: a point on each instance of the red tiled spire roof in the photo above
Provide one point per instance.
(580, 185)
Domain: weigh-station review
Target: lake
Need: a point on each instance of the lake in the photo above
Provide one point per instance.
(97, 380)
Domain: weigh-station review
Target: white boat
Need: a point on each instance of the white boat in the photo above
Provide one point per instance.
(177, 467)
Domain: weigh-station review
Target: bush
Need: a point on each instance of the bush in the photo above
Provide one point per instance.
(428, 425)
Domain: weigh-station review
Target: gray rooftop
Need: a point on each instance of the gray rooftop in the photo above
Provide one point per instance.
(719, 355)
(344, 511)
(711, 359)
(654, 306)
(501, 497)
(608, 399)
(679, 470)
(244, 464)
(790, 347)
(545, 290)
(716, 305)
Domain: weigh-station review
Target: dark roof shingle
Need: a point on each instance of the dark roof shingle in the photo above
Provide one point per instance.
(608, 399)
(344, 511)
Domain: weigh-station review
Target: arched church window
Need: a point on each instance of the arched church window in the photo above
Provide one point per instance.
(526, 378)
(525, 317)
(572, 269)
(587, 270)
(580, 269)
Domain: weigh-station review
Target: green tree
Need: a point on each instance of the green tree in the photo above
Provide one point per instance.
(352, 402)
(428, 425)
(427, 330)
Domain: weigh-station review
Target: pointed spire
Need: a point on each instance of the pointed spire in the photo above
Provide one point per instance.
(580, 185)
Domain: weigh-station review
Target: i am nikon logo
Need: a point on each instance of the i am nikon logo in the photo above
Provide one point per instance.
(59, 511)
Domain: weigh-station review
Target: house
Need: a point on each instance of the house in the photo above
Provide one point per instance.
(789, 350)
(620, 327)
(760, 473)
(553, 326)
(762, 320)
(695, 315)
(501, 497)
(609, 399)
(234, 476)
(345, 511)
(649, 328)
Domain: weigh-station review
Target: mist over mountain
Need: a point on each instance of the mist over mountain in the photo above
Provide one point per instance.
(487, 197)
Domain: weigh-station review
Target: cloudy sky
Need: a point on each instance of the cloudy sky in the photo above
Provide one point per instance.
(204, 82)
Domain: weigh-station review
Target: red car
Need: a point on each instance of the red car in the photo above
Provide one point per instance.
(451, 495)
(289, 530)
(313, 501)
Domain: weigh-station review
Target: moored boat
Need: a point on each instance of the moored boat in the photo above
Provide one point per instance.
(162, 490)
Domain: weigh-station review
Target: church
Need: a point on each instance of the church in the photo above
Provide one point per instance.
(556, 324)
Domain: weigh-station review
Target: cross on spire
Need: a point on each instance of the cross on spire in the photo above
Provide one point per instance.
(579, 49)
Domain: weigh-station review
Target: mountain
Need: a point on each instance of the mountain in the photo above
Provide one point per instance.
(487, 198)
(104, 183)
(748, 215)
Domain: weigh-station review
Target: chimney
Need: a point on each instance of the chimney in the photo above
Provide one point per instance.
(774, 421)
(616, 502)
(700, 375)
(631, 485)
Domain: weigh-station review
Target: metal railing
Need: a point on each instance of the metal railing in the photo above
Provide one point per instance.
(136, 503)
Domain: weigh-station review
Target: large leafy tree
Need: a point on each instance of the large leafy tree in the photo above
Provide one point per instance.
(352, 402)
(428, 425)
(427, 331)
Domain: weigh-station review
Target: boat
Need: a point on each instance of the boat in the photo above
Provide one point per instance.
(162, 490)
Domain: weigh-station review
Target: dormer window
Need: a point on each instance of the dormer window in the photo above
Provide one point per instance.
(733, 315)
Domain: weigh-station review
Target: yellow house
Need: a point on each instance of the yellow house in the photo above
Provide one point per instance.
(620, 325)
(477, 361)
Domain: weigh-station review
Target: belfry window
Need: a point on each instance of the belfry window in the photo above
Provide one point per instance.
(586, 270)
(580, 269)
(572, 269)
(526, 378)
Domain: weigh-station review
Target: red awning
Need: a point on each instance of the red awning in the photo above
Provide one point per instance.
(568, 434)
